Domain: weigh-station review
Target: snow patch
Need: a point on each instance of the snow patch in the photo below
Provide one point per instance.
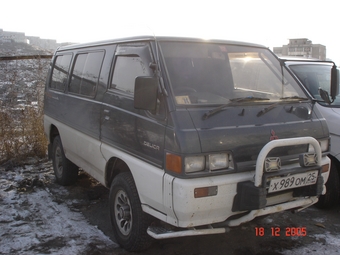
(31, 221)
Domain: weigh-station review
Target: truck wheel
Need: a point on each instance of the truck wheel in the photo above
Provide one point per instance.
(128, 220)
(65, 171)
(332, 196)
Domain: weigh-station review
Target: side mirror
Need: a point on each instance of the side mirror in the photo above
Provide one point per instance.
(334, 82)
(145, 95)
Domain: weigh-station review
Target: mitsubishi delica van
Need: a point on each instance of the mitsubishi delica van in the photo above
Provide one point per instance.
(191, 136)
(316, 77)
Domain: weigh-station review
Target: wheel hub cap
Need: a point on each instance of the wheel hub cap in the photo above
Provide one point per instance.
(123, 213)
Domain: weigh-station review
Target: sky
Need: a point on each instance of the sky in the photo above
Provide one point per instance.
(268, 22)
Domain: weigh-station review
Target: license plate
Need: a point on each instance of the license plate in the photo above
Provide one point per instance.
(293, 181)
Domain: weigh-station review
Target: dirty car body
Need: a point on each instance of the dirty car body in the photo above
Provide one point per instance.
(209, 134)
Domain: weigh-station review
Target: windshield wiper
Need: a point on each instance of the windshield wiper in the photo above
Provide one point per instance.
(233, 100)
(214, 111)
(267, 109)
(271, 107)
(248, 99)
(294, 98)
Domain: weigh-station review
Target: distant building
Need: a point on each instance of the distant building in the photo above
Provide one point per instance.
(302, 47)
(18, 37)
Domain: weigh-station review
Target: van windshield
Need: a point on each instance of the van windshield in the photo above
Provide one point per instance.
(210, 73)
(315, 76)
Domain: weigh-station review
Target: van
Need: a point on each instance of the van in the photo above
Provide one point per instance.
(191, 136)
(316, 77)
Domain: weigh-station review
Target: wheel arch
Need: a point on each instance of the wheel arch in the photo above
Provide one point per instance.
(114, 167)
(335, 161)
(54, 132)
(332, 196)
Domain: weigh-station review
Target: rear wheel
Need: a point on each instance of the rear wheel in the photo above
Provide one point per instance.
(128, 220)
(65, 171)
(332, 196)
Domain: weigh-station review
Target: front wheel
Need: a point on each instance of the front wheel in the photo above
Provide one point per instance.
(65, 171)
(128, 220)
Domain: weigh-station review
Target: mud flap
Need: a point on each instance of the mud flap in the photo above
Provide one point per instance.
(249, 197)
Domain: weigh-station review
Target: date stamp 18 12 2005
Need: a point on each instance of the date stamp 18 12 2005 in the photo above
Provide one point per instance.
(278, 231)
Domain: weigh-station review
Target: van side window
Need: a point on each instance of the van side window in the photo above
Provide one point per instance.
(85, 73)
(125, 80)
(60, 72)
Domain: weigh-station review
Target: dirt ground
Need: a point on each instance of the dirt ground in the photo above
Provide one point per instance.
(241, 240)
(311, 231)
(245, 239)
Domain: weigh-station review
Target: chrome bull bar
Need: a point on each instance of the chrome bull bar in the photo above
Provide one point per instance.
(282, 143)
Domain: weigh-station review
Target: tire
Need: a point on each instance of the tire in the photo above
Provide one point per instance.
(65, 171)
(128, 220)
(332, 196)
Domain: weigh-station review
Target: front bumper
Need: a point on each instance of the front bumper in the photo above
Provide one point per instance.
(240, 193)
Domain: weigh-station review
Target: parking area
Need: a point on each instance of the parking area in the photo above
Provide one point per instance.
(40, 216)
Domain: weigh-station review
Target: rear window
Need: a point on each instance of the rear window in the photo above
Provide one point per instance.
(60, 72)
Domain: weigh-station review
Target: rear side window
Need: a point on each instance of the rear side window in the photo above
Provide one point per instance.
(60, 72)
(85, 73)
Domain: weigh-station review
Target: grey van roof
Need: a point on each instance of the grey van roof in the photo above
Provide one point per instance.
(158, 38)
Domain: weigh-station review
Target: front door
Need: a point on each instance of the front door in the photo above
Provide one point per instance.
(138, 132)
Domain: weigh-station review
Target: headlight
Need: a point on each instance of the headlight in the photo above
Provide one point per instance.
(209, 162)
(194, 164)
(308, 159)
(272, 164)
(191, 164)
(218, 161)
(324, 144)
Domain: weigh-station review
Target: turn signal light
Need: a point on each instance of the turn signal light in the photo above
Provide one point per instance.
(325, 168)
(205, 192)
(173, 163)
